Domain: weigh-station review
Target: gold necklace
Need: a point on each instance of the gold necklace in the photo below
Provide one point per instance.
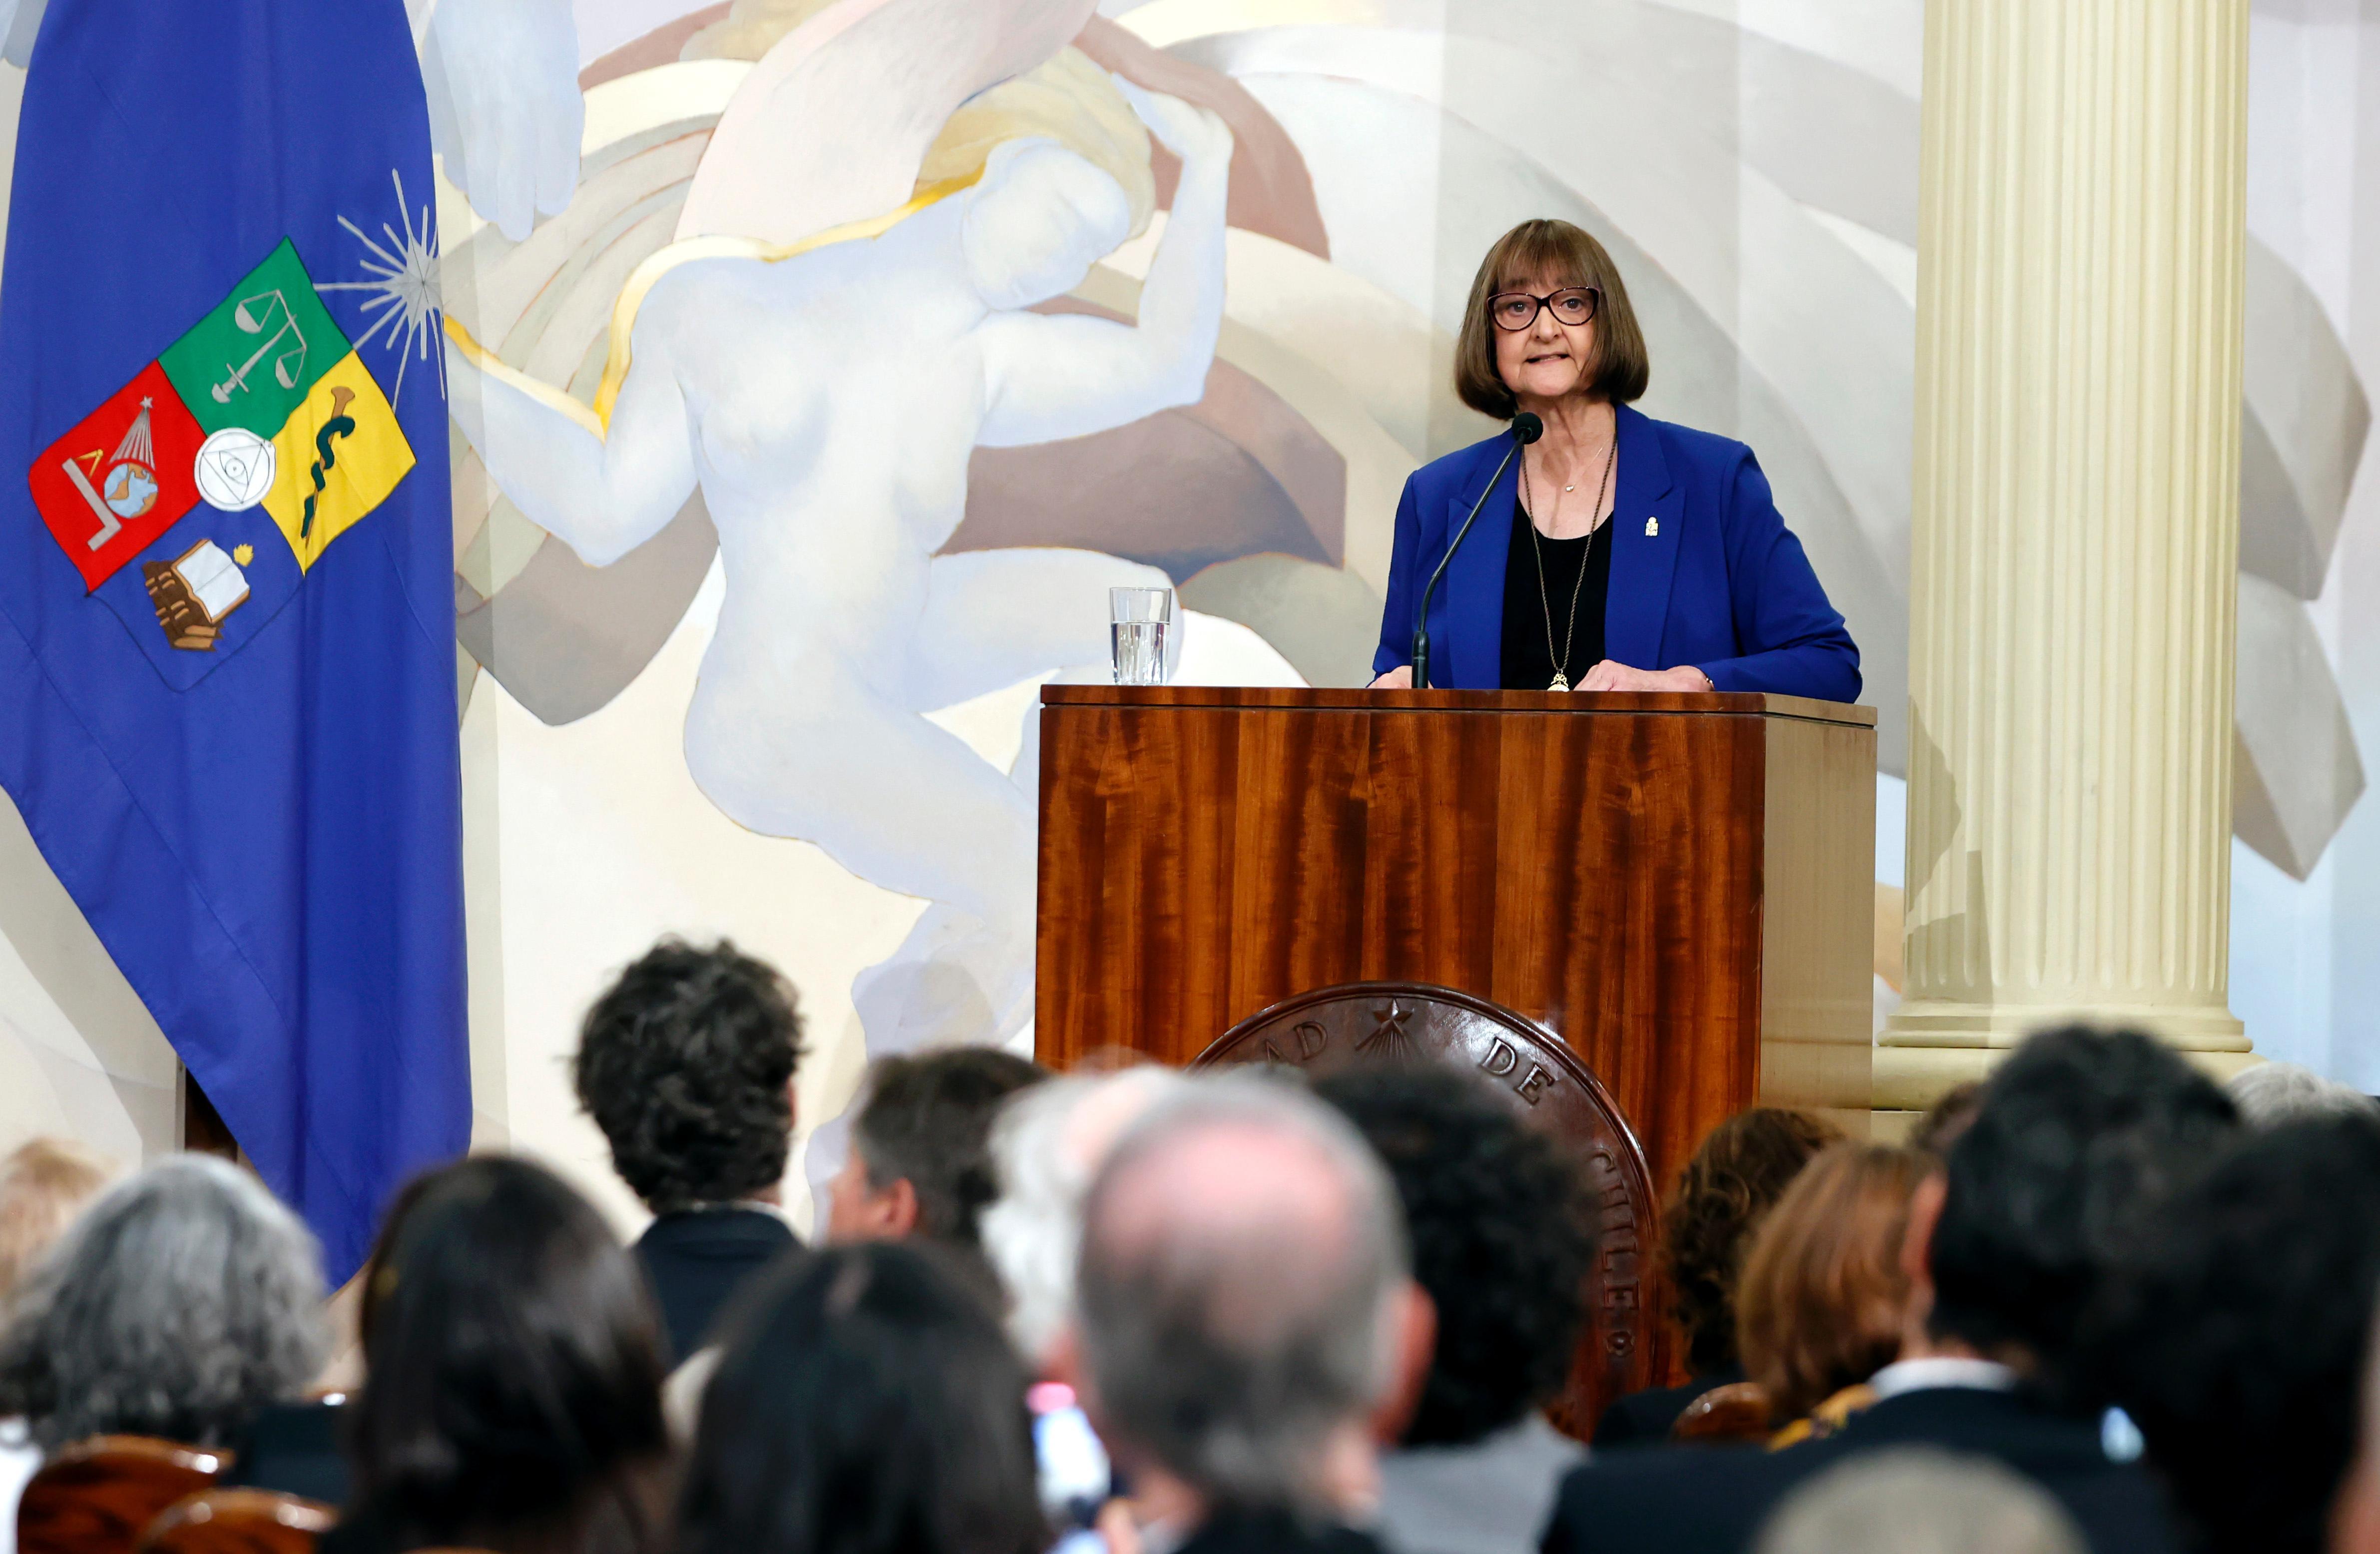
(1537, 546)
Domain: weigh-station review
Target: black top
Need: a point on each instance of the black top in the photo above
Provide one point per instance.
(1275, 1533)
(1644, 1418)
(696, 1260)
(1529, 666)
(294, 1448)
(1713, 1500)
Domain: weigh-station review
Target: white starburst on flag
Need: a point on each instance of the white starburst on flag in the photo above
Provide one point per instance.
(405, 289)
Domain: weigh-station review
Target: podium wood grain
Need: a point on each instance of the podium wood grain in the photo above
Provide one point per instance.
(1680, 885)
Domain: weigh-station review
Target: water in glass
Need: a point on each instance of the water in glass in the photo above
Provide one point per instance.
(1138, 620)
(1139, 651)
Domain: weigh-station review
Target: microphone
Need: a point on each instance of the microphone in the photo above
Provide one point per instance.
(1526, 428)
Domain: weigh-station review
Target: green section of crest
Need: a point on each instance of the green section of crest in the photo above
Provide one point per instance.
(251, 361)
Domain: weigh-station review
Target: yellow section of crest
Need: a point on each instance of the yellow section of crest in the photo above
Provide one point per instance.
(641, 281)
(343, 449)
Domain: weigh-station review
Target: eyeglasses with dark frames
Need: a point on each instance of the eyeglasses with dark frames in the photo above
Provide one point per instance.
(1516, 310)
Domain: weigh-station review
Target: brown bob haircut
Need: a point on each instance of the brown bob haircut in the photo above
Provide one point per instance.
(1819, 1305)
(1560, 255)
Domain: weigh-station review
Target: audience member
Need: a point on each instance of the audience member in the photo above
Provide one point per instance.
(686, 1064)
(1724, 1191)
(2232, 1333)
(1820, 1307)
(2271, 1093)
(512, 1396)
(1946, 1119)
(43, 1185)
(178, 1304)
(920, 1164)
(2355, 1522)
(1496, 1218)
(2078, 1134)
(1046, 1145)
(1912, 1500)
(179, 1301)
(866, 1403)
(1248, 1329)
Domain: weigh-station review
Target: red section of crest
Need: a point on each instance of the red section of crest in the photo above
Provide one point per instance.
(77, 510)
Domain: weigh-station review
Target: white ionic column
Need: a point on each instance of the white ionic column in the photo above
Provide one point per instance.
(2076, 522)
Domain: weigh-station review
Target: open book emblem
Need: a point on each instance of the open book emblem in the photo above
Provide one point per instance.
(194, 593)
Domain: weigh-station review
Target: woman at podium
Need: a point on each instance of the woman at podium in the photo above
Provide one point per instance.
(1615, 553)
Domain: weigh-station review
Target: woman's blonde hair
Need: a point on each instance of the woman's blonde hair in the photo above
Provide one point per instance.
(1558, 254)
(43, 1185)
(1820, 1303)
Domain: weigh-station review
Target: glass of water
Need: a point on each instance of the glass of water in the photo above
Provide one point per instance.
(1138, 622)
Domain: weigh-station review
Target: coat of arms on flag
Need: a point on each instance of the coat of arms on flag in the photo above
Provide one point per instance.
(225, 468)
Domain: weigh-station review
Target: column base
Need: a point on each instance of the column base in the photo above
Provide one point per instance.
(1931, 1045)
(1953, 1023)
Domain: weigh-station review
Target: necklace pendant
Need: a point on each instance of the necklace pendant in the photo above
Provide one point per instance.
(1561, 682)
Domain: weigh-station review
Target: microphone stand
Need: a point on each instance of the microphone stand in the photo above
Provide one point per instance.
(1526, 428)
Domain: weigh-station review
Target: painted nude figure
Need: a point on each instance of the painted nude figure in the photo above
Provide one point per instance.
(826, 405)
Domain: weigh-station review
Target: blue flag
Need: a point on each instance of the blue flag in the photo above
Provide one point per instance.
(227, 703)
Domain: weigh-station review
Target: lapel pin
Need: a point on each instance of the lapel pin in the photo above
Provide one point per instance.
(1652, 528)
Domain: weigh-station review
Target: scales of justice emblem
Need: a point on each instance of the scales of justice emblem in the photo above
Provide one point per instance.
(234, 467)
(242, 453)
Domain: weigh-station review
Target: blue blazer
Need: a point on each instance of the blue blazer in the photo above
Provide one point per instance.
(1719, 582)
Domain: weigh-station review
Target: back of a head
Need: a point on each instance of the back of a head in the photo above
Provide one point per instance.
(867, 1403)
(683, 1065)
(1496, 1215)
(1734, 1178)
(514, 1370)
(1919, 1501)
(1045, 1145)
(43, 1183)
(2080, 1132)
(181, 1301)
(1948, 1117)
(1823, 1296)
(2232, 1330)
(2272, 1093)
(1242, 1259)
(928, 1121)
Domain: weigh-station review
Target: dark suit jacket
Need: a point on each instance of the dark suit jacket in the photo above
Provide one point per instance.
(698, 1258)
(1275, 1534)
(1718, 581)
(1713, 1500)
(294, 1448)
(1644, 1418)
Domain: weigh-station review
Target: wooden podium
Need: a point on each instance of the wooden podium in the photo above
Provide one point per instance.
(1680, 886)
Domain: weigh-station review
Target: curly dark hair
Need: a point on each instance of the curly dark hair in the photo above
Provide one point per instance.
(683, 1065)
(2079, 1133)
(1497, 1213)
(1737, 1175)
(2235, 1329)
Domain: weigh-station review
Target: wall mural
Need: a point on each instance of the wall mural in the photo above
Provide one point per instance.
(818, 364)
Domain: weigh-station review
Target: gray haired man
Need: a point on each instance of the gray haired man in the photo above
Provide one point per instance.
(1249, 1329)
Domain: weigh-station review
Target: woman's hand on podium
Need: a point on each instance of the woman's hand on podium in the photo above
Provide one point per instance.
(1610, 676)
(1397, 679)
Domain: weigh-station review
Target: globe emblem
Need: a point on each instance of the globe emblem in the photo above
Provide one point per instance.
(129, 488)
(234, 468)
